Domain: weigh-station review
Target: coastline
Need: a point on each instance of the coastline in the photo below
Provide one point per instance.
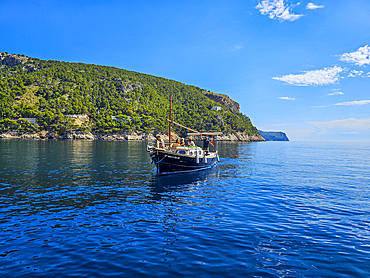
(121, 136)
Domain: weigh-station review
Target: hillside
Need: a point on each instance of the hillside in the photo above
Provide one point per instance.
(63, 96)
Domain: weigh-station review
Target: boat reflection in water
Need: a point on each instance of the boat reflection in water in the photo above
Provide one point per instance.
(163, 186)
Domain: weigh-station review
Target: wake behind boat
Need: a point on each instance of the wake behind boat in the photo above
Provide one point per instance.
(178, 158)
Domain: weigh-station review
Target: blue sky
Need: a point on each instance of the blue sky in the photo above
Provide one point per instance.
(302, 67)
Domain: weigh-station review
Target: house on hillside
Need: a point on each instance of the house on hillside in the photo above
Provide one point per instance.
(216, 108)
(31, 120)
(125, 119)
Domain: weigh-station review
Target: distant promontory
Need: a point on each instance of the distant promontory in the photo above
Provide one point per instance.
(273, 135)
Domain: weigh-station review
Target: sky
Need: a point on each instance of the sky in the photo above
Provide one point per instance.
(301, 67)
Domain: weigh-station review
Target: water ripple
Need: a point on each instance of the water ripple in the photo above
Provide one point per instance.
(273, 209)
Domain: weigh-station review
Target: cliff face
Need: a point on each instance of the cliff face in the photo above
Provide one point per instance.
(129, 87)
(12, 60)
(240, 137)
(224, 100)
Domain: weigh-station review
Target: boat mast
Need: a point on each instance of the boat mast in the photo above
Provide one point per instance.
(169, 126)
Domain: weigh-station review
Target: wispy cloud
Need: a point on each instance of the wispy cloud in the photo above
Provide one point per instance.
(312, 6)
(355, 73)
(350, 125)
(352, 103)
(331, 75)
(359, 57)
(237, 47)
(324, 76)
(277, 9)
(335, 92)
(287, 98)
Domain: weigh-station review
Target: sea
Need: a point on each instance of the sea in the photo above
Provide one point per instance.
(268, 209)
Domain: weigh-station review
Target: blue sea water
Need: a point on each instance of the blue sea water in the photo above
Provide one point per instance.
(269, 209)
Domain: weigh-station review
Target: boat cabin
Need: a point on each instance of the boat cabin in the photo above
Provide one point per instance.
(179, 150)
(191, 151)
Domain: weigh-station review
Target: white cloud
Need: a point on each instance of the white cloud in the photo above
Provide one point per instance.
(277, 9)
(359, 57)
(335, 92)
(237, 47)
(312, 6)
(287, 98)
(352, 103)
(350, 125)
(325, 76)
(355, 73)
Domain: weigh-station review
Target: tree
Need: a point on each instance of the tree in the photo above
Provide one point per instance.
(26, 126)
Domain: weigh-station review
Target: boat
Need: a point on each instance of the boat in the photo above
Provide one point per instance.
(173, 158)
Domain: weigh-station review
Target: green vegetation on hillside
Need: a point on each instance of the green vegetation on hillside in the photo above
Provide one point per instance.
(114, 99)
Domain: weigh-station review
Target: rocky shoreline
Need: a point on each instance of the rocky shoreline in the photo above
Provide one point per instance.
(136, 136)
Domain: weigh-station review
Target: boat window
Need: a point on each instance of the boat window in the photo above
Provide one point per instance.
(200, 152)
(181, 152)
(190, 153)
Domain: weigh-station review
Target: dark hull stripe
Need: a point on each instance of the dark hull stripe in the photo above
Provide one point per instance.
(201, 165)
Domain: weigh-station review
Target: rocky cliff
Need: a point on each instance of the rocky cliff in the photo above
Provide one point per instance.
(240, 137)
(223, 100)
(15, 60)
(42, 135)
(12, 59)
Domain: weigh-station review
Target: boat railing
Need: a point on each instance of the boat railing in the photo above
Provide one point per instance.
(150, 146)
(182, 150)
